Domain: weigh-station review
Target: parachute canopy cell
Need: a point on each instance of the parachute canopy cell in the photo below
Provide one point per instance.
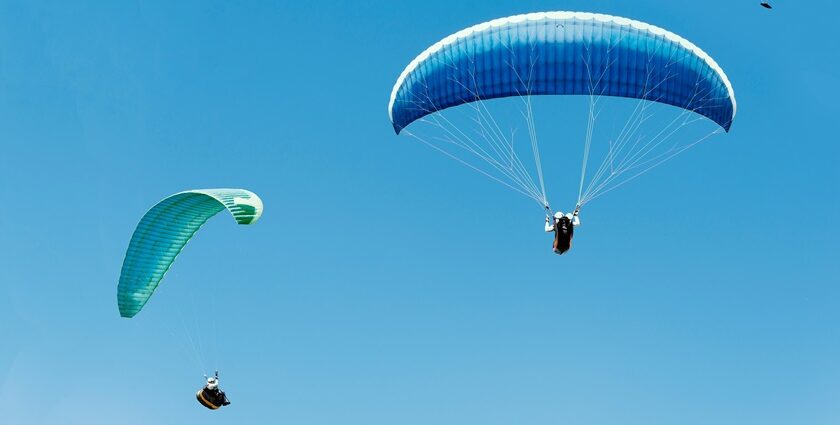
(543, 54)
(164, 231)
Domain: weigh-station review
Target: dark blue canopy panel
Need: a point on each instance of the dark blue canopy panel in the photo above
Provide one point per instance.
(562, 53)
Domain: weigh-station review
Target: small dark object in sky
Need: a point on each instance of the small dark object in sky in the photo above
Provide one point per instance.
(766, 5)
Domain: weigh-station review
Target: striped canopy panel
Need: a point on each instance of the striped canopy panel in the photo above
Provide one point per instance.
(562, 53)
(164, 231)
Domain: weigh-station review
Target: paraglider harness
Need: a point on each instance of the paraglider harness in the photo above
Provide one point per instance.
(211, 396)
(564, 231)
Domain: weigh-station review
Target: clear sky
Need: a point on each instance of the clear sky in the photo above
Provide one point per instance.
(386, 284)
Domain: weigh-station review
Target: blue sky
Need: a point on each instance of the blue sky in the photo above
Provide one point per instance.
(385, 284)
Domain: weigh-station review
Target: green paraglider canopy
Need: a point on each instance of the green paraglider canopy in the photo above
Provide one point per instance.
(164, 231)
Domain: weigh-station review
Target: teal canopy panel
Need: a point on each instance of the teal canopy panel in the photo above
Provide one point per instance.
(164, 231)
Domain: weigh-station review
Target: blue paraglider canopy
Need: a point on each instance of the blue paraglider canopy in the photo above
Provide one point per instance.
(562, 53)
(541, 54)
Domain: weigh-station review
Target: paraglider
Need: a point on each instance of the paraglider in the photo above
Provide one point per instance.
(446, 97)
(158, 239)
(766, 5)
(563, 226)
(211, 396)
(164, 231)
